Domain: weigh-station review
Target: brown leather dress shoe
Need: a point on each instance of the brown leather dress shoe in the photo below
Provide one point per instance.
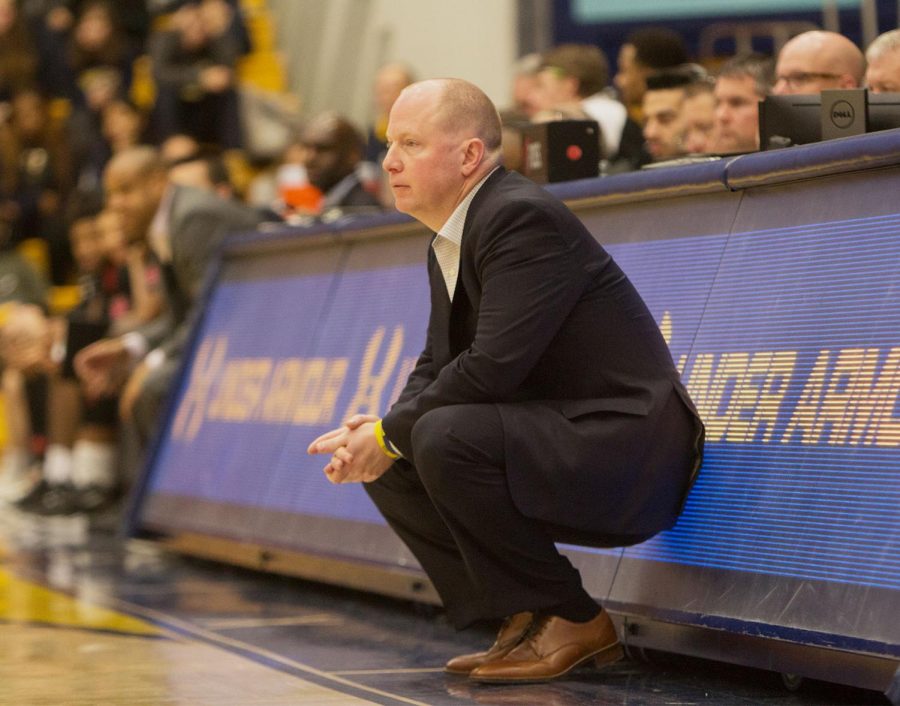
(551, 649)
(511, 633)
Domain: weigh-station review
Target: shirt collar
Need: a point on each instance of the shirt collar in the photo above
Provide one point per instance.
(452, 230)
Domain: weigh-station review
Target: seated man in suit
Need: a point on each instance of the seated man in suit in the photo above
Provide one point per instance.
(545, 406)
(184, 227)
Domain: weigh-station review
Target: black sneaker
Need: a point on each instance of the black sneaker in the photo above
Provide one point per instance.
(93, 498)
(47, 499)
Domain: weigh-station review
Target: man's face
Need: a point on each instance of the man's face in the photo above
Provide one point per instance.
(801, 69)
(388, 84)
(526, 94)
(326, 159)
(664, 123)
(134, 196)
(883, 73)
(109, 226)
(631, 79)
(555, 88)
(699, 112)
(423, 161)
(737, 114)
(86, 244)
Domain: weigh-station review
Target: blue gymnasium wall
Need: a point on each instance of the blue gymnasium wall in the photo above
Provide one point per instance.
(776, 281)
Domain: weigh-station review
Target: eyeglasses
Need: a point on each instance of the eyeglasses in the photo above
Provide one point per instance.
(802, 78)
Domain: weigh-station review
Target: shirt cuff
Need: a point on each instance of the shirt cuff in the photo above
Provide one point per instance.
(136, 345)
(155, 358)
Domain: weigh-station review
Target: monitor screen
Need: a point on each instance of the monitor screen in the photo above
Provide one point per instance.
(789, 120)
(796, 119)
(884, 111)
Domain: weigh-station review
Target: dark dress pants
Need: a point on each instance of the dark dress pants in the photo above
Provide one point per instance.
(451, 506)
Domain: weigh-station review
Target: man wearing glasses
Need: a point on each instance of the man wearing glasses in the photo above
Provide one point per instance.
(818, 60)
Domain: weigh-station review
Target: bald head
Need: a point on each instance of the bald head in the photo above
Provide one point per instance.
(136, 160)
(814, 61)
(134, 182)
(332, 149)
(389, 81)
(463, 109)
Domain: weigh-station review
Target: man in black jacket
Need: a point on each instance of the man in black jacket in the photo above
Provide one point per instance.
(333, 152)
(545, 406)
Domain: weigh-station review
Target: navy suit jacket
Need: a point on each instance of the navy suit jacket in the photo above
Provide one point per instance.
(600, 434)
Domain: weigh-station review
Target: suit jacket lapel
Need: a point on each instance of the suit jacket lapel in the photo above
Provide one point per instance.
(440, 314)
(449, 318)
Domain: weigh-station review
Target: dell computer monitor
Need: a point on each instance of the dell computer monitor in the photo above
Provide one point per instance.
(797, 119)
(884, 111)
(789, 120)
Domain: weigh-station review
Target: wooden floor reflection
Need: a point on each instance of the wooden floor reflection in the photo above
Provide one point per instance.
(54, 666)
(90, 619)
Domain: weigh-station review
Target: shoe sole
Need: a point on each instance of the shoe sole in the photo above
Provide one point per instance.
(602, 658)
(457, 672)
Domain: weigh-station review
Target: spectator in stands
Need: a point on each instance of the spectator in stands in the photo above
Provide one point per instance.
(19, 280)
(95, 42)
(390, 79)
(699, 116)
(665, 119)
(646, 51)
(36, 177)
(525, 99)
(18, 54)
(123, 125)
(332, 151)
(204, 169)
(59, 16)
(132, 282)
(742, 83)
(194, 71)
(184, 227)
(90, 148)
(25, 341)
(177, 147)
(816, 60)
(226, 18)
(579, 73)
(883, 58)
(120, 291)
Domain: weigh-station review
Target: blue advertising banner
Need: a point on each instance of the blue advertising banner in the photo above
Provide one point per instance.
(795, 369)
(789, 341)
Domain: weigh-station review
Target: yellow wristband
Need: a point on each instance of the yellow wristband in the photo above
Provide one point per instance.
(379, 437)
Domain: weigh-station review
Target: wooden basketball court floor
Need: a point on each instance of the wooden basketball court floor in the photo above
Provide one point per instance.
(90, 619)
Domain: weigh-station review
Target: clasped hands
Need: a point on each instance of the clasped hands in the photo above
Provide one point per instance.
(355, 454)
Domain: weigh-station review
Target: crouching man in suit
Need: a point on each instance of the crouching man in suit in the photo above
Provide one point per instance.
(545, 406)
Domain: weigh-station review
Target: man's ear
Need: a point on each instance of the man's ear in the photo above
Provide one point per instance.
(472, 156)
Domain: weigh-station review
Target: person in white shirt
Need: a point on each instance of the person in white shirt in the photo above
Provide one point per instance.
(579, 73)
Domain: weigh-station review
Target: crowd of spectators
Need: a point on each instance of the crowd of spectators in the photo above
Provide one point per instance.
(128, 200)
